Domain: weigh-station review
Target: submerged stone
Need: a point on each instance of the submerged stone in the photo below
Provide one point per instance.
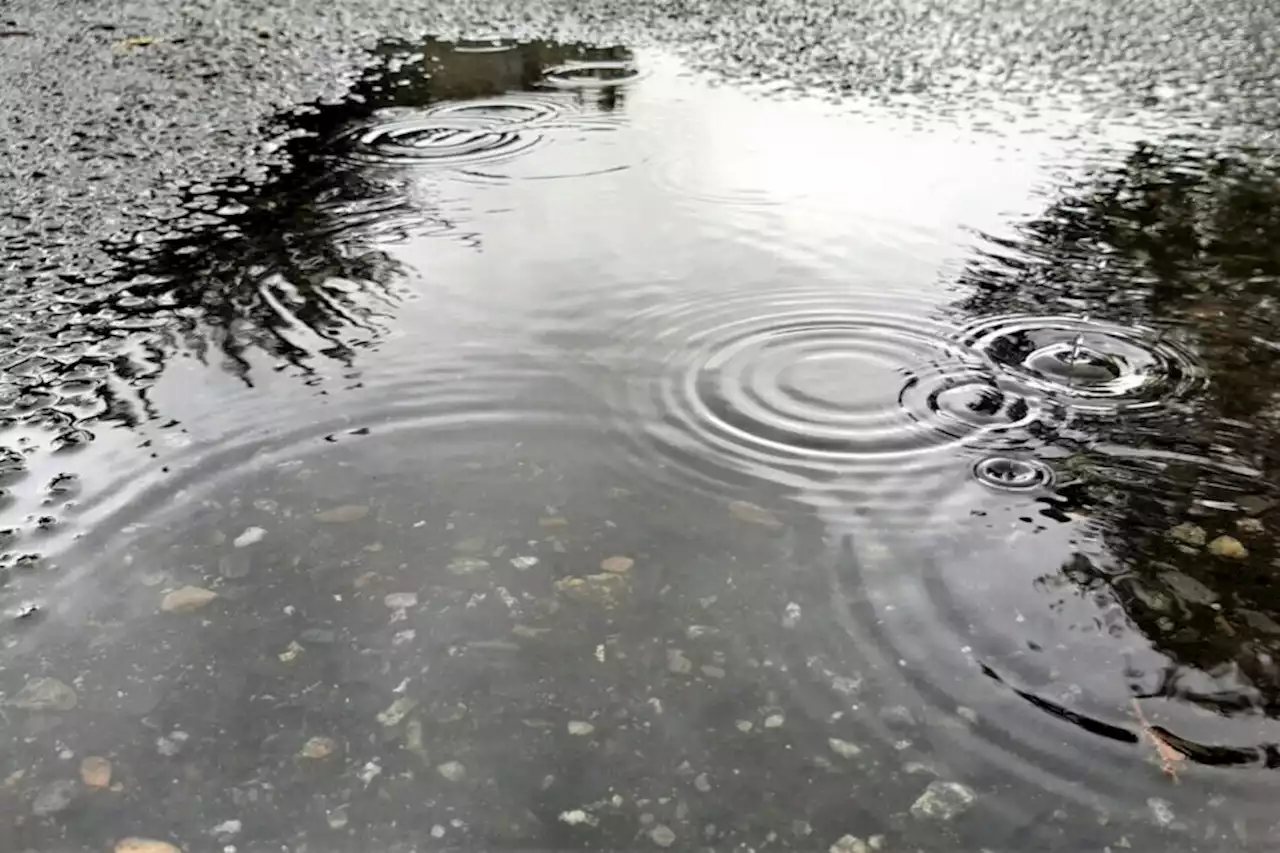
(1188, 534)
(46, 694)
(1228, 547)
(943, 801)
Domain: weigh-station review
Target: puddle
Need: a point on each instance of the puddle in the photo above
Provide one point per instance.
(567, 452)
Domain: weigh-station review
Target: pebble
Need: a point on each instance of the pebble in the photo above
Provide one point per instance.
(227, 828)
(342, 514)
(467, 565)
(774, 721)
(617, 565)
(453, 771)
(1250, 526)
(171, 745)
(713, 672)
(577, 817)
(843, 748)
(397, 711)
(1228, 547)
(1161, 810)
(580, 728)
(701, 783)
(45, 694)
(662, 835)
(54, 797)
(850, 844)
(601, 589)
(251, 536)
(523, 563)
(144, 845)
(318, 747)
(187, 599)
(677, 663)
(401, 600)
(943, 801)
(1188, 534)
(753, 514)
(337, 819)
(95, 772)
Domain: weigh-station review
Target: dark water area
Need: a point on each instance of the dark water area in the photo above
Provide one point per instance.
(571, 450)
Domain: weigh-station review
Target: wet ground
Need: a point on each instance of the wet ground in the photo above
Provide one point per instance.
(830, 430)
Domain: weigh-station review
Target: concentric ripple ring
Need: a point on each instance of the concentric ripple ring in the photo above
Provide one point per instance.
(1085, 365)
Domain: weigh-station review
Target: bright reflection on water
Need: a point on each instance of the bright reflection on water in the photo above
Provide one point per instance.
(566, 451)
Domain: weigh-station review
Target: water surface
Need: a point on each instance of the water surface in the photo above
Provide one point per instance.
(572, 450)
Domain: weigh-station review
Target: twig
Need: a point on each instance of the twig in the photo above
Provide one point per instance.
(1169, 754)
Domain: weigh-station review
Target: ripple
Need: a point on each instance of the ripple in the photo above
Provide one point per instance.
(591, 75)
(1004, 472)
(448, 141)
(813, 392)
(1085, 365)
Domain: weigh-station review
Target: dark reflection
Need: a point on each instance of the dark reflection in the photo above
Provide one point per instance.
(1187, 243)
(275, 266)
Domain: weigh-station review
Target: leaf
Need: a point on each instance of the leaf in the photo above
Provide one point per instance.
(1168, 753)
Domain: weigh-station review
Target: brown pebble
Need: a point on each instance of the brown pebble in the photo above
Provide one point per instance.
(617, 565)
(95, 772)
(145, 845)
(187, 599)
(1228, 547)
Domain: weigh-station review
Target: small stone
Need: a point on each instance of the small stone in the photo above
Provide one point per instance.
(843, 748)
(774, 721)
(342, 514)
(467, 565)
(291, 652)
(850, 844)
(744, 726)
(1188, 534)
(1228, 547)
(677, 663)
(713, 672)
(523, 563)
(54, 797)
(227, 828)
(602, 589)
(144, 845)
(753, 514)
(701, 783)
(397, 711)
(581, 729)
(617, 565)
(1251, 526)
(662, 835)
(438, 831)
(318, 747)
(187, 599)
(943, 801)
(453, 771)
(45, 694)
(1161, 810)
(171, 745)
(577, 817)
(95, 772)
(967, 714)
(337, 819)
(251, 536)
(401, 600)
(553, 521)
(371, 770)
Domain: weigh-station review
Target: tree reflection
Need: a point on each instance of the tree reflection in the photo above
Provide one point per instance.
(296, 266)
(1172, 238)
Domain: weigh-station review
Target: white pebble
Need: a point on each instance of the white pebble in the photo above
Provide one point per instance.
(250, 536)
